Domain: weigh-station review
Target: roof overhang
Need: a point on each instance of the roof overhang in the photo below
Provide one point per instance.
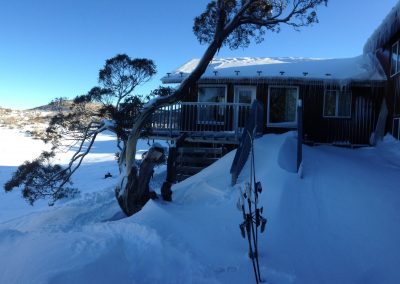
(387, 30)
(360, 69)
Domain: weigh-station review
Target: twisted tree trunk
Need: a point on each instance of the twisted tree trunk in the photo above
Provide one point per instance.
(132, 192)
(132, 200)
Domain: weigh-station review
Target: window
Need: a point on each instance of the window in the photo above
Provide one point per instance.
(282, 106)
(337, 104)
(243, 95)
(209, 111)
(395, 64)
(396, 128)
(212, 94)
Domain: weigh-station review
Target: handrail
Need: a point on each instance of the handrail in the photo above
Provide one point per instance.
(214, 104)
(200, 117)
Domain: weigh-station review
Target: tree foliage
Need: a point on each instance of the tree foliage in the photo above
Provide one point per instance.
(109, 106)
(113, 99)
(40, 179)
(121, 75)
(251, 19)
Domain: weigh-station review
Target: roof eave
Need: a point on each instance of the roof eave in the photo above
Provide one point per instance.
(258, 80)
(389, 28)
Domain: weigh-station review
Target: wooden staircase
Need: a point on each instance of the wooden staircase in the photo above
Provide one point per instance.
(192, 159)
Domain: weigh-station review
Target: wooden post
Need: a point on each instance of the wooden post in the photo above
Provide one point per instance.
(299, 133)
(166, 192)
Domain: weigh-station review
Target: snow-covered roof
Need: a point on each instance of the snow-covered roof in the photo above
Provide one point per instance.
(360, 68)
(387, 30)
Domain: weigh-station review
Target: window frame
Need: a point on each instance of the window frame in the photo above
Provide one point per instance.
(225, 86)
(236, 89)
(291, 124)
(338, 93)
(397, 68)
(237, 104)
(398, 128)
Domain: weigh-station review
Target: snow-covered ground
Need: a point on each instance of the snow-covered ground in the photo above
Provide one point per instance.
(339, 224)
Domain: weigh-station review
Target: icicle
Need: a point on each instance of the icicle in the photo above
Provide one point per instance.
(344, 85)
(386, 31)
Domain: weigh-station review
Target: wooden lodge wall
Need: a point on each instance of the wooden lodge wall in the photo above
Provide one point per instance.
(356, 130)
(393, 85)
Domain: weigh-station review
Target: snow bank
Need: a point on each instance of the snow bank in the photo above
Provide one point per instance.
(287, 158)
(17, 147)
(339, 224)
(363, 67)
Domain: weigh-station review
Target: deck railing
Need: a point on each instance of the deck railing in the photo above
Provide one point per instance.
(200, 117)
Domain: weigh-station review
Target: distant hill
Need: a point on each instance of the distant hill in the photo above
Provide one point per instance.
(61, 105)
(34, 121)
(64, 105)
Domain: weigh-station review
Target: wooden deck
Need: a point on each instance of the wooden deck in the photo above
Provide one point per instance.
(220, 123)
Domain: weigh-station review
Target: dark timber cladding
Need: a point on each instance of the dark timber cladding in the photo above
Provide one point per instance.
(395, 86)
(356, 129)
(384, 55)
(384, 43)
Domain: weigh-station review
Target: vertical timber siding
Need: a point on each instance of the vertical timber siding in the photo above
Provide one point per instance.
(356, 130)
(394, 86)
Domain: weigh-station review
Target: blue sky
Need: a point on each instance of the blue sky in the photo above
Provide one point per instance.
(54, 48)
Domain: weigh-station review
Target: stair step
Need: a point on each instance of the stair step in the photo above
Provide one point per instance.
(197, 150)
(191, 159)
(189, 170)
(181, 177)
(196, 160)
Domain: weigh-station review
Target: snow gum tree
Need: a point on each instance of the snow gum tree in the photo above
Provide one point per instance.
(231, 23)
(109, 106)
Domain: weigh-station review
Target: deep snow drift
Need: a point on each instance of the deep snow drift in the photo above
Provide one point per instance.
(339, 224)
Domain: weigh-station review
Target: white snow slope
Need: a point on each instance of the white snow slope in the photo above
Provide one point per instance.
(339, 224)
